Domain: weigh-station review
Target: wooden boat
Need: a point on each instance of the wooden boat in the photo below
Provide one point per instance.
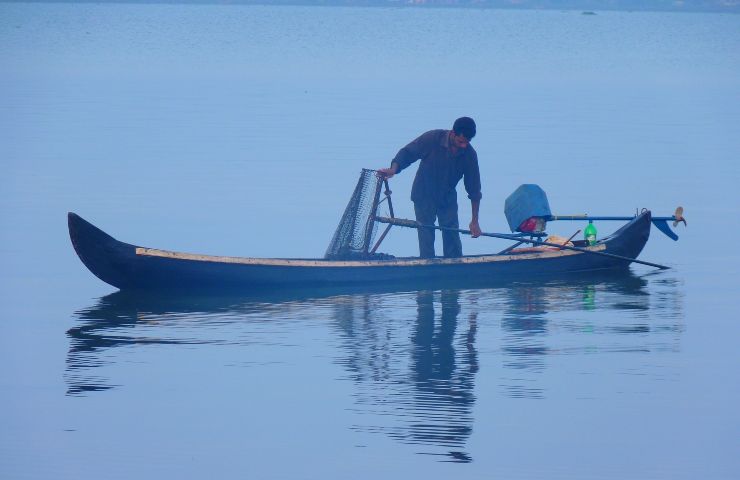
(131, 267)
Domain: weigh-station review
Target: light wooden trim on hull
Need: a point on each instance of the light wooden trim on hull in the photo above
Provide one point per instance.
(398, 262)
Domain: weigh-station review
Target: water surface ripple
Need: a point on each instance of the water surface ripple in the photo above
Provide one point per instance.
(413, 357)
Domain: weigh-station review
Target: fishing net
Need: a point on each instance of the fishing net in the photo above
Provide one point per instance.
(354, 234)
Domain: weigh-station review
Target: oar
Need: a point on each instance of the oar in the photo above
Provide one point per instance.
(413, 224)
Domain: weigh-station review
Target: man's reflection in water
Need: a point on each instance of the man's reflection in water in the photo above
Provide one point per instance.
(434, 400)
(443, 389)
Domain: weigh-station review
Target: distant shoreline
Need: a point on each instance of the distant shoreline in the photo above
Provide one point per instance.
(586, 7)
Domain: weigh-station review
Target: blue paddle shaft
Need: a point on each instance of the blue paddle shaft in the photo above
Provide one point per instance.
(589, 217)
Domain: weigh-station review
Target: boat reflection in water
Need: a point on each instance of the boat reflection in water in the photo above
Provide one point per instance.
(413, 357)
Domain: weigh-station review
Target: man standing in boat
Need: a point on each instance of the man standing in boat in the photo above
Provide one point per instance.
(446, 157)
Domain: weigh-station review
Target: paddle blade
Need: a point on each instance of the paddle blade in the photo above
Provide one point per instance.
(678, 217)
(662, 225)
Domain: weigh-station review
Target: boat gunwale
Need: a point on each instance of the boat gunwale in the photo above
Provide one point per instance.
(395, 262)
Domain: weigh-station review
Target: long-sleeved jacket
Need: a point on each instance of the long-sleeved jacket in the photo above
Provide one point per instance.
(440, 171)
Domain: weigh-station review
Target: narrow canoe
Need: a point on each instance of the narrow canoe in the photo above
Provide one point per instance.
(131, 267)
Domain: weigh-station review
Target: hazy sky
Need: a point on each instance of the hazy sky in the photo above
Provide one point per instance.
(729, 6)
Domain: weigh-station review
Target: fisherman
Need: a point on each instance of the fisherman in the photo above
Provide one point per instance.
(446, 157)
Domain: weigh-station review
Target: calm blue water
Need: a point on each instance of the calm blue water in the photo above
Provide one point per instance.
(240, 130)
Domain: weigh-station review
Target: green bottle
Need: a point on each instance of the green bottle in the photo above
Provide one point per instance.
(590, 233)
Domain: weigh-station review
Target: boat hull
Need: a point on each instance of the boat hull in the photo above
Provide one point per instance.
(131, 267)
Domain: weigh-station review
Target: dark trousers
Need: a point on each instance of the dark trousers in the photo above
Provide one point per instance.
(428, 213)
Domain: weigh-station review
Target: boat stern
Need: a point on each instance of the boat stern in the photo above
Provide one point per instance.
(630, 239)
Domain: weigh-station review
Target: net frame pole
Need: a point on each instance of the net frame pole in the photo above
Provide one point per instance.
(390, 211)
(371, 223)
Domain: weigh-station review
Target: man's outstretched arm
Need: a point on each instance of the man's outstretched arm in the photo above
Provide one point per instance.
(474, 227)
(410, 153)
